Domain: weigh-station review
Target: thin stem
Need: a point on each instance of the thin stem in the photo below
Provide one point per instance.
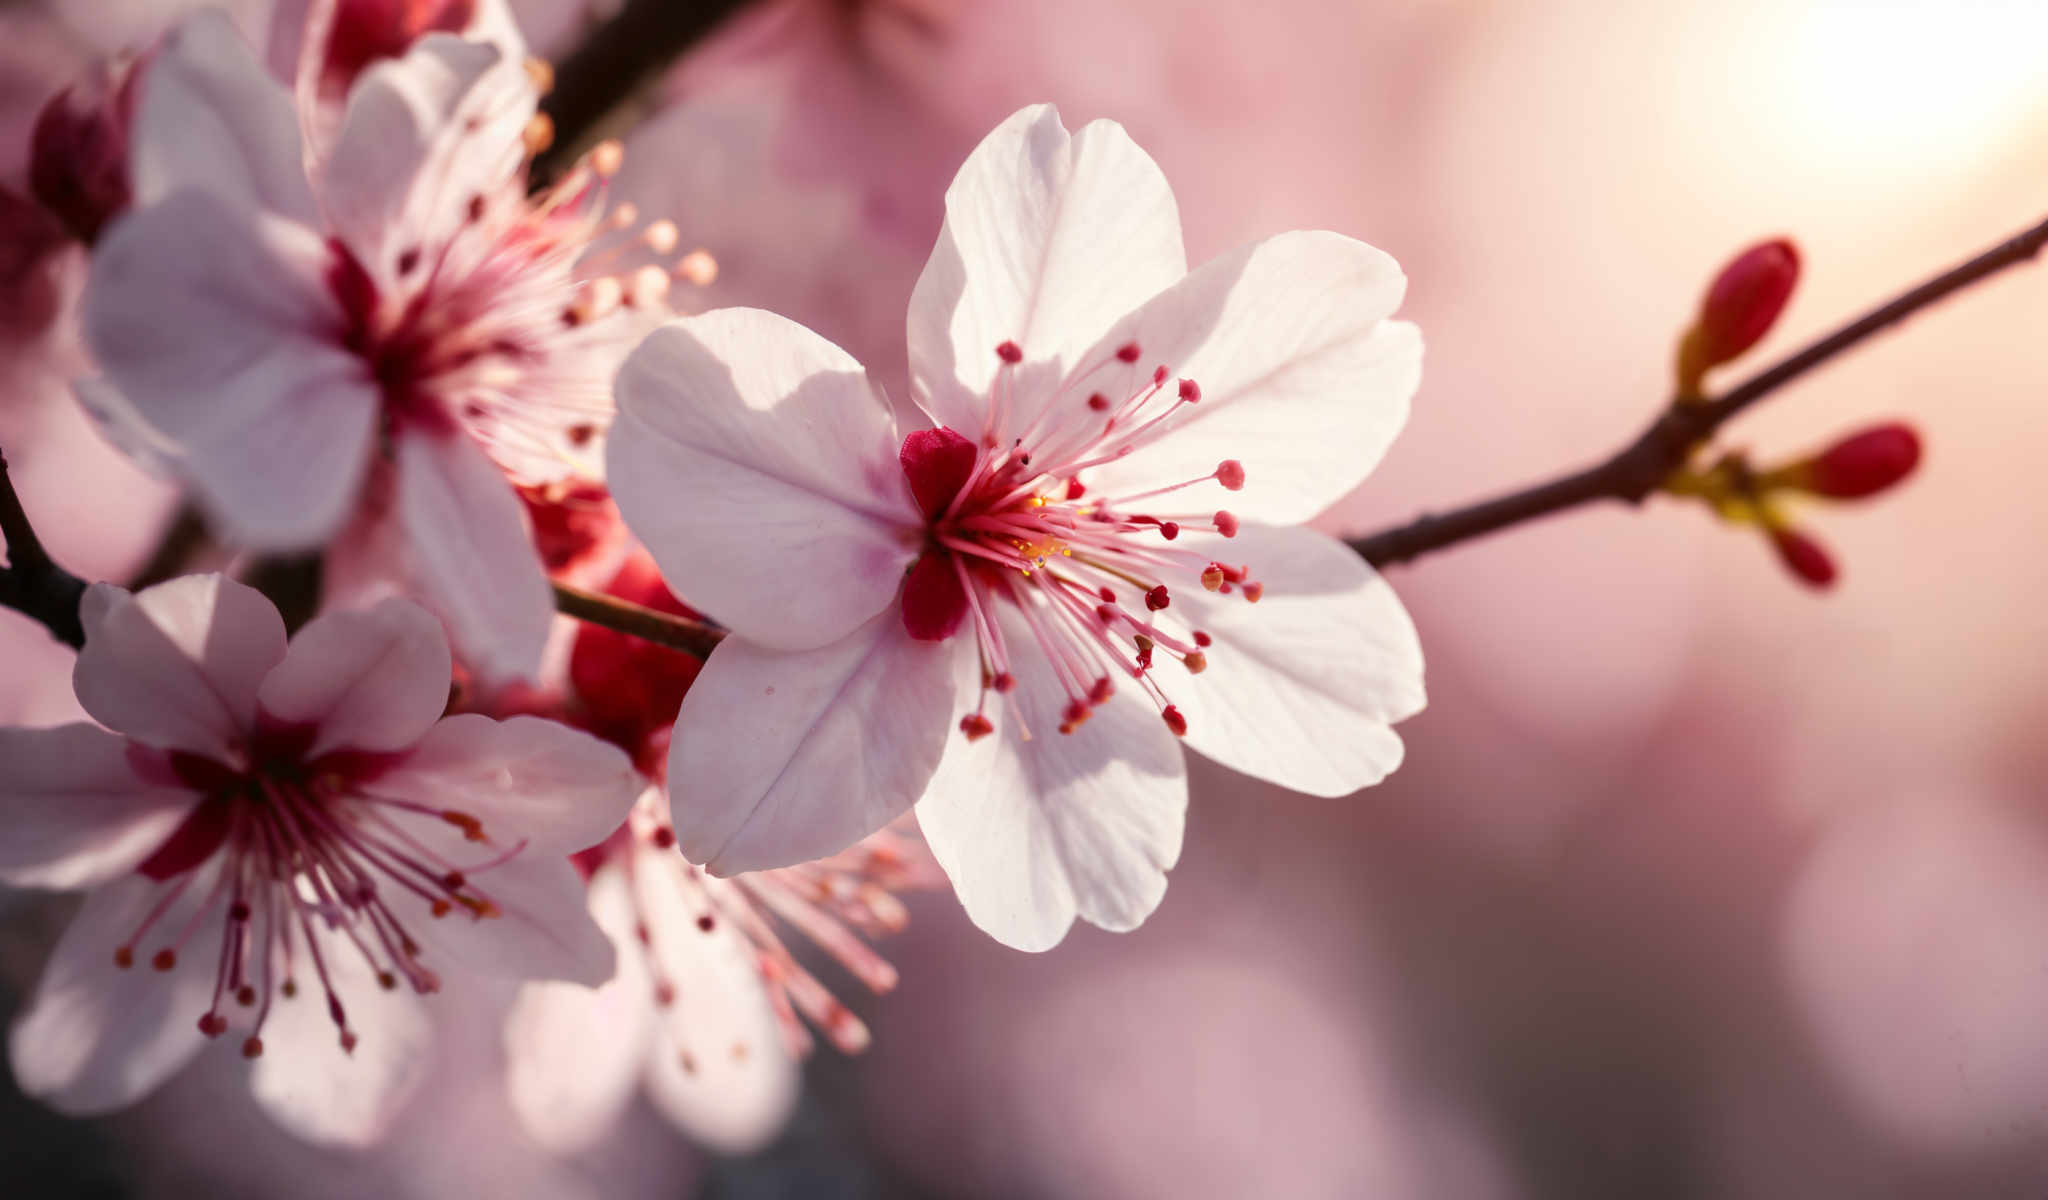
(663, 629)
(32, 583)
(1638, 469)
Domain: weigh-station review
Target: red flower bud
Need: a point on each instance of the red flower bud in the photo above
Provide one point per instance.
(1806, 558)
(1740, 307)
(632, 687)
(78, 153)
(1862, 464)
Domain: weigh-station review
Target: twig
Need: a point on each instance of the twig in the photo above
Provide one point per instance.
(32, 583)
(1641, 467)
(663, 629)
(619, 58)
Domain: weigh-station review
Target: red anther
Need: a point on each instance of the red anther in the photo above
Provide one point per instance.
(1010, 352)
(1190, 391)
(1157, 598)
(165, 959)
(440, 908)
(453, 880)
(1004, 682)
(288, 988)
(1202, 639)
(1175, 721)
(1160, 373)
(1227, 588)
(213, 1024)
(1102, 691)
(252, 1047)
(348, 1042)
(1212, 577)
(238, 911)
(1169, 530)
(1226, 524)
(124, 957)
(387, 981)
(1107, 594)
(1076, 489)
(245, 996)
(335, 1011)
(1107, 612)
(663, 837)
(1128, 352)
(976, 726)
(1740, 307)
(1252, 591)
(1230, 473)
(1076, 712)
(1098, 402)
(664, 993)
(1196, 662)
(1862, 464)
(1806, 558)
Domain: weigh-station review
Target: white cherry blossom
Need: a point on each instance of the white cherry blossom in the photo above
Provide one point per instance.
(1010, 617)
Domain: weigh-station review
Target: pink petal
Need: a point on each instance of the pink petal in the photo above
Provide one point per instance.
(178, 665)
(574, 1054)
(97, 1037)
(781, 757)
(1302, 688)
(375, 680)
(216, 328)
(720, 1068)
(755, 459)
(1036, 832)
(473, 554)
(1047, 241)
(542, 930)
(210, 118)
(74, 810)
(422, 135)
(527, 779)
(318, 1091)
(1304, 379)
(329, 47)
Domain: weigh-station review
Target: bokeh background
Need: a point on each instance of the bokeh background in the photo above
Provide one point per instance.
(1695, 883)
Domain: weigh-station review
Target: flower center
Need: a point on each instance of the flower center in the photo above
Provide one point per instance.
(306, 847)
(1010, 521)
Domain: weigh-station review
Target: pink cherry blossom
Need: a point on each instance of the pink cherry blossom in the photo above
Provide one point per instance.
(976, 616)
(285, 846)
(383, 347)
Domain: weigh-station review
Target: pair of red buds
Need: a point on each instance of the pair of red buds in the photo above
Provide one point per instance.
(1739, 308)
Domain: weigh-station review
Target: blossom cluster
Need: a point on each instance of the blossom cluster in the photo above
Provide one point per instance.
(965, 632)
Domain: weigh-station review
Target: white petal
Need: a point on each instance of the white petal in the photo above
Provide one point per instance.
(216, 328)
(542, 930)
(98, 1037)
(318, 1091)
(781, 757)
(209, 117)
(1303, 687)
(527, 779)
(1047, 242)
(74, 811)
(177, 665)
(1036, 832)
(473, 554)
(758, 464)
(721, 1069)
(422, 135)
(1304, 379)
(574, 1054)
(375, 680)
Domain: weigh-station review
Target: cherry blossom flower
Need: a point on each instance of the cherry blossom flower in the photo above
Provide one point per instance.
(285, 846)
(378, 347)
(709, 1007)
(975, 616)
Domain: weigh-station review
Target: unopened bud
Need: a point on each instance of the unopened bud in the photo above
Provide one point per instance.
(1862, 464)
(1806, 558)
(78, 153)
(1740, 307)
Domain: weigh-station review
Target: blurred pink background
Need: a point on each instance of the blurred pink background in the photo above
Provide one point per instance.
(1694, 883)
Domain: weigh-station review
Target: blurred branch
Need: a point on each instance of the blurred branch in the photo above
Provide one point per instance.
(32, 583)
(602, 76)
(1642, 466)
(183, 539)
(663, 629)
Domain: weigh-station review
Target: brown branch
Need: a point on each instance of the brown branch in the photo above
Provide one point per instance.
(602, 76)
(663, 629)
(32, 583)
(1642, 466)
